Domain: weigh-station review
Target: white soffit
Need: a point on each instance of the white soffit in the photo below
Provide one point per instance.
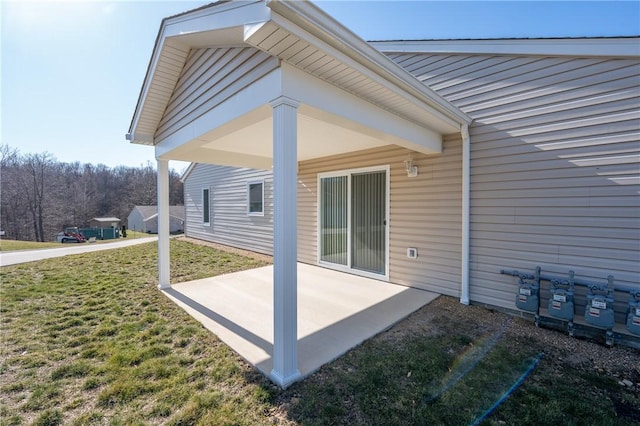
(304, 36)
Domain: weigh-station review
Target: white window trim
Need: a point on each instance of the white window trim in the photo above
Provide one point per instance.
(206, 223)
(347, 268)
(253, 182)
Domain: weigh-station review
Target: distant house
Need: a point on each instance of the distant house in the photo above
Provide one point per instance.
(145, 219)
(104, 222)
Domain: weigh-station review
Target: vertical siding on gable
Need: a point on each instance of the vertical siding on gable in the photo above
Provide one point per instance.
(209, 77)
(425, 212)
(555, 165)
(230, 223)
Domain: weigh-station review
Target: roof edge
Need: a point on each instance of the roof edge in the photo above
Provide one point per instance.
(315, 21)
(622, 47)
(187, 172)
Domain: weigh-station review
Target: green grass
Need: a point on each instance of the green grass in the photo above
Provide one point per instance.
(137, 234)
(454, 377)
(12, 245)
(88, 339)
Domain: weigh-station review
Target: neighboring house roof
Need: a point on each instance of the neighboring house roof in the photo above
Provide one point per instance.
(149, 212)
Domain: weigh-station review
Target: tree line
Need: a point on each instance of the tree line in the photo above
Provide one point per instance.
(40, 196)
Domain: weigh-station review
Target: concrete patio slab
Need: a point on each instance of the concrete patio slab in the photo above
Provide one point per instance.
(336, 311)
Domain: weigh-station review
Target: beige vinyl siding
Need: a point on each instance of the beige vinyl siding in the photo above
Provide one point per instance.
(209, 77)
(425, 212)
(555, 165)
(230, 224)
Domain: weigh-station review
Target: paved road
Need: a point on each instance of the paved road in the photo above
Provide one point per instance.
(23, 256)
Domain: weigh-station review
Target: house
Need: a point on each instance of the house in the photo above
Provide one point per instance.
(431, 164)
(145, 219)
(104, 222)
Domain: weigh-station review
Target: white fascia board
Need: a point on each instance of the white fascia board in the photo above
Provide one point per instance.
(140, 138)
(147, 85)
(587, 47)
(342, 44)
(352, 112)
(219, 16)
(249, 99)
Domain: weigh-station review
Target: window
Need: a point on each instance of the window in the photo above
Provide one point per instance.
(255, 198)
(352, 220)
(206, 207)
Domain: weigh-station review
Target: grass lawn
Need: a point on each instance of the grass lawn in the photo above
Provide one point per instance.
(13, 245)
(88, 339)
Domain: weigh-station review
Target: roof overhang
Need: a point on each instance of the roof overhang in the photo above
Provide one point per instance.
(320, 60)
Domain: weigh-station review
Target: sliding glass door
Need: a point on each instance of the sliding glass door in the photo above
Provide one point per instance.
(353, 220)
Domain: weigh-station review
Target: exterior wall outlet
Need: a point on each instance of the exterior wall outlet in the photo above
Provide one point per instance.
(412, 253)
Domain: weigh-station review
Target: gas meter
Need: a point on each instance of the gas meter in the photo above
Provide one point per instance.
(561, 298)
(633, 315)
(528, 295)
(599, 309)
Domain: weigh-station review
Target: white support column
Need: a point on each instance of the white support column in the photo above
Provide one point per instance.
(285, 236)
(163, 225)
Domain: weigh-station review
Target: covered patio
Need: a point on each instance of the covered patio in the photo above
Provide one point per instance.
(267, 85)
(336, 311)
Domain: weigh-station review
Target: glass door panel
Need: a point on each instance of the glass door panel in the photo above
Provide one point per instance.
(334, 220)
(368, 222)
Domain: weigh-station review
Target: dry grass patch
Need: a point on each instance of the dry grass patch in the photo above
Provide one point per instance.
(14, 245)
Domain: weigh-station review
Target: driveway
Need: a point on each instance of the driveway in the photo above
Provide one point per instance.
(23, 256)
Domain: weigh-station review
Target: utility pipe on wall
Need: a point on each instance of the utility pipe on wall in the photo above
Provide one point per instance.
(466, 196)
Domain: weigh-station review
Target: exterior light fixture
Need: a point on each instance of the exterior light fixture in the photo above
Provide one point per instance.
(412, 171)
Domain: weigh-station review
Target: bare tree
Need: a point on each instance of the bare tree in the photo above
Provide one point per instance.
(34, 182)
(39, 196)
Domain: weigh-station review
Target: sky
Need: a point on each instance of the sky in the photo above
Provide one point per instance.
(71, 71)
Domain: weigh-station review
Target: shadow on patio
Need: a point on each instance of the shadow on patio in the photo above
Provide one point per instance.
(336, 311)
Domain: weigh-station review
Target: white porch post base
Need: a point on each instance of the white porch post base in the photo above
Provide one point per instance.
(164, 281)
(285, 382)
(285, 235)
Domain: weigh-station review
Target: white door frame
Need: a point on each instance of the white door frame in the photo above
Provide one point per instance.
(347, 268)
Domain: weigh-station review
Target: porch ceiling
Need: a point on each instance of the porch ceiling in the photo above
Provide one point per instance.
(304, 38)
(246, 141)
(321, 138)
